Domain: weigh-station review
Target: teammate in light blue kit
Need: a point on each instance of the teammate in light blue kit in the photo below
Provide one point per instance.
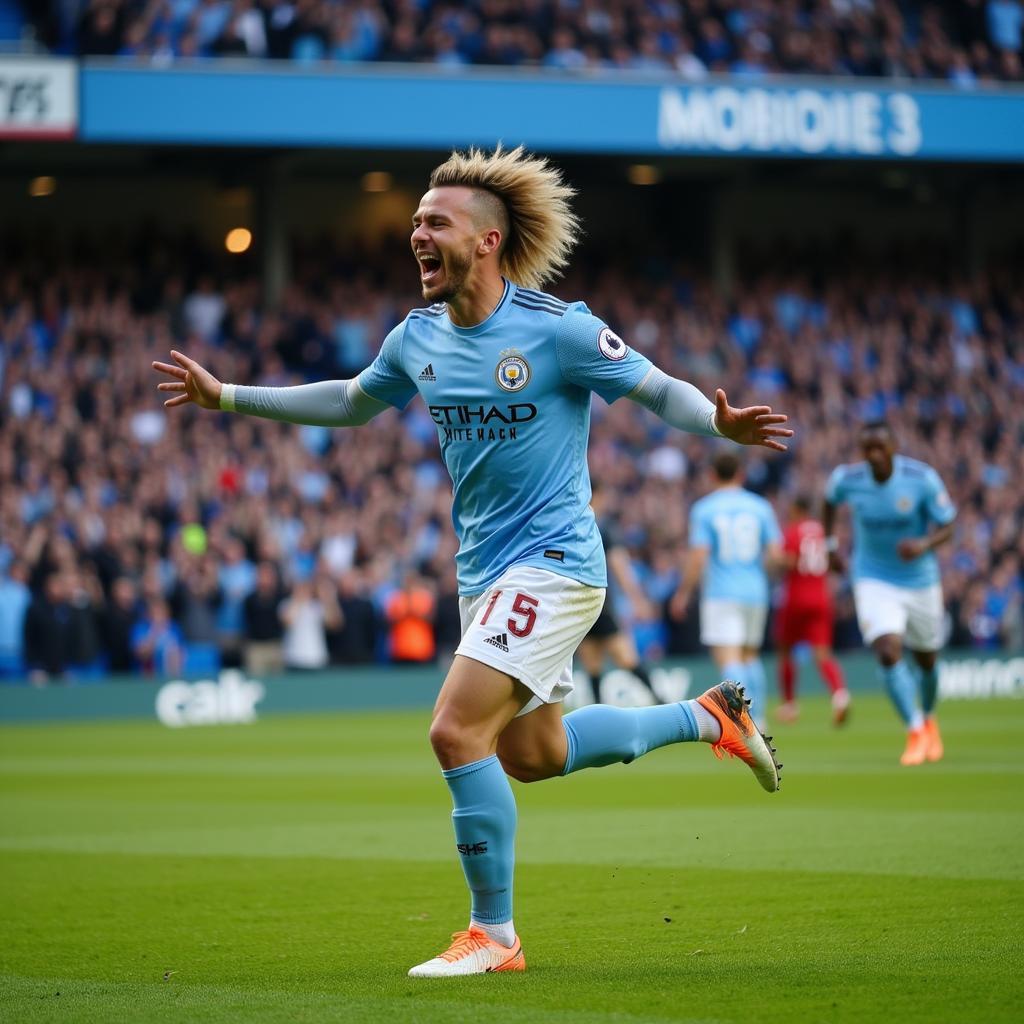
(901, 513)
(506, 372)
(734, 535)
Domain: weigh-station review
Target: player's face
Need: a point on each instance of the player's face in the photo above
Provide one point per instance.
(877, 448)
(444, 238)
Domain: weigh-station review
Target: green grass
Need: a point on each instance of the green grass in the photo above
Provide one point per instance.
(293, 869)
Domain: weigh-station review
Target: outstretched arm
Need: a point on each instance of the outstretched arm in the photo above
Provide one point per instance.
(329, 403)
(682, 406)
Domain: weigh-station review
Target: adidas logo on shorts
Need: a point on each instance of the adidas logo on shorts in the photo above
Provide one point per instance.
(499, 640)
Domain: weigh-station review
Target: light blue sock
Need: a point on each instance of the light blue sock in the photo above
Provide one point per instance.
(899, 681)
(485, 832)
(601, 734)
(757, 690)
(736, 671)
(928, 684)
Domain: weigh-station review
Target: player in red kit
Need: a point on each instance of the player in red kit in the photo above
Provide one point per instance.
(805, 615)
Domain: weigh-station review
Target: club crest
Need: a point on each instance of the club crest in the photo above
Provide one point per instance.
(513, 372)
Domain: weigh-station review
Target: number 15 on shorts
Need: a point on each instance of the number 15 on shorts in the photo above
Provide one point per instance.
(523, 612)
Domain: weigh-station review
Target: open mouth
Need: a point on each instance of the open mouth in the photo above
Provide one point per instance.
(430, 267)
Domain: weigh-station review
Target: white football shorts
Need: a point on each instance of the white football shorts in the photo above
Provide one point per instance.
(529, 625)
(725, 623)
(915, 613)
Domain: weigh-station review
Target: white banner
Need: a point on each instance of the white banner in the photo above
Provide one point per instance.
(38, 98)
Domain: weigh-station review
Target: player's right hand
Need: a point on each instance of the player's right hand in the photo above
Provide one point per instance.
(192, 383)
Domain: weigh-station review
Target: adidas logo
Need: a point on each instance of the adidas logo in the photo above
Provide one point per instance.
(427, 373)
(499, 640)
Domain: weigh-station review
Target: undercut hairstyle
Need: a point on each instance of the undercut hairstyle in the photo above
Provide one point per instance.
(803, 503)
(528, 201)
(726, 467)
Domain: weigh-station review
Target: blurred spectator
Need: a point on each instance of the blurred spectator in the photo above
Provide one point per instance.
(307, 614)
(119, 619)
(263, 627)
(157, 642)
(195, 601)
(354, 640)
(85, 644)
(410, 613)
(48, 632)
(237, 578)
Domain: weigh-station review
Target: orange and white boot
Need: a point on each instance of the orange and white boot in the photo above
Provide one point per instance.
(917, 747)
(472, 952)
(934, 749)
(740, 736)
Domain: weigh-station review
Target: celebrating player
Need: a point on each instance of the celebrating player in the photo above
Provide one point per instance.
(506, 372)
(894, 503)
(805, 615)
(734, 535)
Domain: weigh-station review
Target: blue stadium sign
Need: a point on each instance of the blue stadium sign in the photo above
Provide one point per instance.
(415, 108)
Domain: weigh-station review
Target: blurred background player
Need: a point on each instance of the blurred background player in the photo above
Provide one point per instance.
(607, 638)
(894, 501)
(805, 614)
(734, 537)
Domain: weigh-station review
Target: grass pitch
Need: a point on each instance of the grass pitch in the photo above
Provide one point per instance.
(293, 870)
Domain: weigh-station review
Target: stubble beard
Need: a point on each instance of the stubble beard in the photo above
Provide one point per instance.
(457, 268)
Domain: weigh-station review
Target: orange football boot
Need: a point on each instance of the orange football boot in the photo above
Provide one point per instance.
(917, 747)
(740, 737)
(935, 749)
(472, 952)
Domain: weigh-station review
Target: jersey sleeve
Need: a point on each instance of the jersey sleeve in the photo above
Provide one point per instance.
(700, 529)
(940, 506)
(835, 493)
(384, 379)
(592, 356)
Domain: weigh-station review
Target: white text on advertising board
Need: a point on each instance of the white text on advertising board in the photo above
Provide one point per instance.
(806, 121)
(231, 700)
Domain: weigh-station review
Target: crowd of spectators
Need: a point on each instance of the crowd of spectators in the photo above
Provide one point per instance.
(962, 41)
(138, 539)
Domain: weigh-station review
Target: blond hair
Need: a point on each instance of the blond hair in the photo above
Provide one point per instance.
(542, 229)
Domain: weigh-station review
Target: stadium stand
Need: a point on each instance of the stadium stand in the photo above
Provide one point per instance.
(965, 42)
(132, 538)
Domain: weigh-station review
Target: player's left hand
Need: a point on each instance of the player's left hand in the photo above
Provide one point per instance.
(911, 548)
(756, 424)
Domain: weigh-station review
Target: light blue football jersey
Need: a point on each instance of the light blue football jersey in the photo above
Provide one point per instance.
(884, 514)
(511, 401)
(735, 526)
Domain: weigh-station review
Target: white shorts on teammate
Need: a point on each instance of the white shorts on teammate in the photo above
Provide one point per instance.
(725, 623)
(528, 625)
(915, 613)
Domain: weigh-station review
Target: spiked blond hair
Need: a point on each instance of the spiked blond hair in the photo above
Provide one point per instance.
(542, 229)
